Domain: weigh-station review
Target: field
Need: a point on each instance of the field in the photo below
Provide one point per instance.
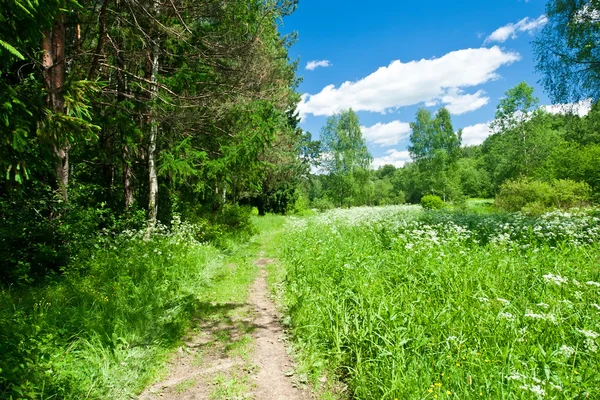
(402, 304)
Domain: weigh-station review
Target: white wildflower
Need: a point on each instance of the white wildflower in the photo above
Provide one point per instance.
(543, 305)
(590, 345)
(505, 315)
(503, 301)
(516, 376)
(592, 283)
(567, 351)
(545, 317)
(556, 279)
(588, 334)
(537, 389)
(555, 387)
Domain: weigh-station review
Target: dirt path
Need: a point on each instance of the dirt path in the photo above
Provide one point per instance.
(239, 354)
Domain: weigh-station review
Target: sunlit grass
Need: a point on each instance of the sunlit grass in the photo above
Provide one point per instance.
(408, 305)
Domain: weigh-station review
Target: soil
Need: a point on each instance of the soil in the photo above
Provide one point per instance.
(240, 355)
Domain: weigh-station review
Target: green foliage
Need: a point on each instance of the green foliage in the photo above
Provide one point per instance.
(569, 194)
(100, 330)
(432, 202)
(566, 49)
(411, 306)
(435, 149)
(347, 157)
(536, 197)
(323, 204)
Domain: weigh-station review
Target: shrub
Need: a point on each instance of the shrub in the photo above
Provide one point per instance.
(569, 194)
(535, 197)
(514, 195)
(432, 202)
(101, 328)
(322, 204)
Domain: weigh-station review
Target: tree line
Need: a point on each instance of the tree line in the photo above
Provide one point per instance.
(121, 110)
(527, 142)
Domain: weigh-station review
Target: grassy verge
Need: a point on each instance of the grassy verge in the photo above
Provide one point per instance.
(398, 304)
(104, 329)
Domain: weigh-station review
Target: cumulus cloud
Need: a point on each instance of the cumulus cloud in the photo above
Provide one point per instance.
(475, 134)
(388, 134)
(393, 157)
(431, 81)
(511, 31)
(312, 65)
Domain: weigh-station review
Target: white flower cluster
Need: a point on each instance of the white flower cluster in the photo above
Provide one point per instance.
(556, 279)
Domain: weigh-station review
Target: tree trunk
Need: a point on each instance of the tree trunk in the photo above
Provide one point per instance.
(53, 73)
(224, 196)
(127, 178)
(152, 175)
(128, 193)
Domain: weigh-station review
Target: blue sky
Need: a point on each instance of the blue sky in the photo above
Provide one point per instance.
(388, 58)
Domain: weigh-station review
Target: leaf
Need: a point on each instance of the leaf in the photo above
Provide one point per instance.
(11, 50)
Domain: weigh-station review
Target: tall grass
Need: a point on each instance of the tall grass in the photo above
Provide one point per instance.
(402, 305)
(102, 329)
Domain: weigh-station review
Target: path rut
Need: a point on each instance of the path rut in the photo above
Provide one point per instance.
(215, 362)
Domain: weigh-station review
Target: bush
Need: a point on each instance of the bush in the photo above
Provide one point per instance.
(535, 197)
(432, 202)
(569, 194)
(514, 195)
(100, 329)
(323, 204)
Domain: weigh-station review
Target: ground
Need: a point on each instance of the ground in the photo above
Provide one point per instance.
(237, 348)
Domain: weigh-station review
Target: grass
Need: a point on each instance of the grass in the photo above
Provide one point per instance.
(399, 304)
(185, 385)
(105, 330)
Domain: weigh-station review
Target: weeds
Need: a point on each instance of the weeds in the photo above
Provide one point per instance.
(408, 305)
(101, 330)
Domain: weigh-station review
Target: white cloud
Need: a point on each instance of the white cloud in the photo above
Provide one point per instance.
(386, 134)
(312, 65)
(582, 108)
(475, 134)
(393, 157)
(459, 103)
(404, 84)
(511, 31)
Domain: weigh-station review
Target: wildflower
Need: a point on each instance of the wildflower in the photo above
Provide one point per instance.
(546, 317)
(537, 389)
(543, 305)
(588, 334)
(590, 345)
(556, 279)
(556, 387)
(515, 376)
(567, 351)
(592, 283)
(505, 315)
(503, 301)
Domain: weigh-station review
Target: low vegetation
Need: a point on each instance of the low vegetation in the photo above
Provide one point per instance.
(101, 331)
(403, 304)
